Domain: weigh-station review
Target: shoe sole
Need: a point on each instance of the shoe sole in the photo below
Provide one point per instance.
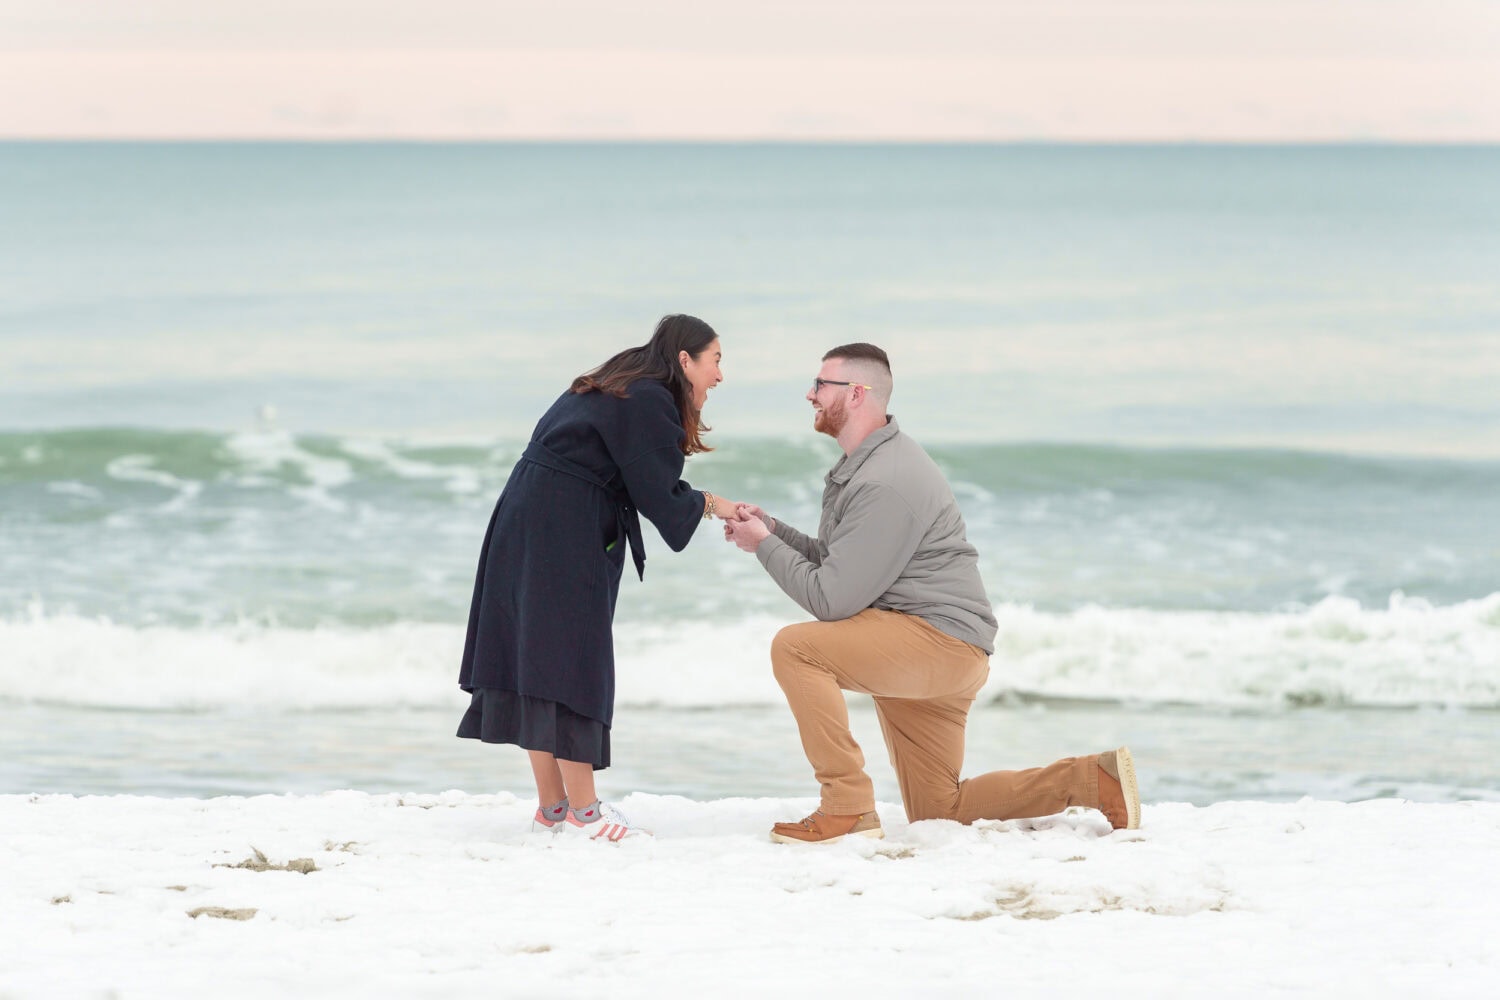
(587, 832)
(1130, 788)
(875, 834)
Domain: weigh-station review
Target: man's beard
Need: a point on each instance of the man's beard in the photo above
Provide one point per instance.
(830, 420)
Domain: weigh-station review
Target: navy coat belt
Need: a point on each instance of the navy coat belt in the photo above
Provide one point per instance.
(628, 520)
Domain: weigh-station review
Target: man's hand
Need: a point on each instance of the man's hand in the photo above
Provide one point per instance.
(755, 511)
(747, 532)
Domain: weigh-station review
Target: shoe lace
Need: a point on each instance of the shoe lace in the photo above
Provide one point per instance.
(609, 812)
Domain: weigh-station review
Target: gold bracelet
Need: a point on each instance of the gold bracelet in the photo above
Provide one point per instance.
(710, 505)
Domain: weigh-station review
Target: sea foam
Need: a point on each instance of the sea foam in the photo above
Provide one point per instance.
(1336, 652)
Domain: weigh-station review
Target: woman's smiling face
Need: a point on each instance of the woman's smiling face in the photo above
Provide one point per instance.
(703, 371)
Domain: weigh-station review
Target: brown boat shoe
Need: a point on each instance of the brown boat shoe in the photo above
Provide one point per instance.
(1119, 793)
(821, 828)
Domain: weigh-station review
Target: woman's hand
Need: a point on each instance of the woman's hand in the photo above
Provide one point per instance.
(729, 510)
(721, 507)
(726, 509)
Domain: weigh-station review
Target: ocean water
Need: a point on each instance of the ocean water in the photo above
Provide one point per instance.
(1221, 420)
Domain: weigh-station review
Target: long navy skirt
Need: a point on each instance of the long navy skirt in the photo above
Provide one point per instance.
(535, 724)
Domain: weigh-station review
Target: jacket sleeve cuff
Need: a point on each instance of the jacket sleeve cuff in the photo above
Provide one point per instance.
(767, 549)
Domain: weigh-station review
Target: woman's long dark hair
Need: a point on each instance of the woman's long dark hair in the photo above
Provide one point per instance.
(657, 360)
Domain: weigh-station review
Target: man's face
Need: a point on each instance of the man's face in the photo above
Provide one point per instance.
(830, 412)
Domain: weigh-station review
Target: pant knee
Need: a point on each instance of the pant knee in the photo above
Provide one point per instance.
(788, 649)
(932, 807)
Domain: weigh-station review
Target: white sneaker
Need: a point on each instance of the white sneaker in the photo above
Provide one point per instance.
(602, 821)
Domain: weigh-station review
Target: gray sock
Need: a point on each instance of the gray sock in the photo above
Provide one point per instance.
(588, 814)
(556, 813)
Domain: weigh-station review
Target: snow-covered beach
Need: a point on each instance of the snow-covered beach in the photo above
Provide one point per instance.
(451, 895)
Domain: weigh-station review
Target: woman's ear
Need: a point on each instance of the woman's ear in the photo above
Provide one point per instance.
(683, 357)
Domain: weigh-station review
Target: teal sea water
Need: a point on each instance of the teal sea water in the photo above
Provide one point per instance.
(1221, 419)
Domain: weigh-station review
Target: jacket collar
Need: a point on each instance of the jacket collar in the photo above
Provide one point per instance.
(845, 468)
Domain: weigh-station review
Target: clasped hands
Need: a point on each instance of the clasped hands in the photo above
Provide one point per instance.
(748, 527)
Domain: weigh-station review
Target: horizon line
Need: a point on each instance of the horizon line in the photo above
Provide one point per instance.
(373, 140)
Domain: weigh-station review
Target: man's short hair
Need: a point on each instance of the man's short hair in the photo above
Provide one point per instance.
(869, 363)
(860, 352)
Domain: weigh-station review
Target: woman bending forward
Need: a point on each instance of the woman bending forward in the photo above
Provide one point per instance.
(539, 658)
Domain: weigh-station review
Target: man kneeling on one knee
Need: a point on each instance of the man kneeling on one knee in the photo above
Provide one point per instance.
(902, 616)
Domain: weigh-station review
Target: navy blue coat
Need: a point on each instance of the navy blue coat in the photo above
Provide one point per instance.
(549, 573)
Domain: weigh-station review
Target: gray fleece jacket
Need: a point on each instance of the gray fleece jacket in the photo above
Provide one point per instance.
(891, 537)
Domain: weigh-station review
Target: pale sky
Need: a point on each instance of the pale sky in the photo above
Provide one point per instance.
(981, 70)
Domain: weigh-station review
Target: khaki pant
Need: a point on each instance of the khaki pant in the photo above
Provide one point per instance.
(923, 682)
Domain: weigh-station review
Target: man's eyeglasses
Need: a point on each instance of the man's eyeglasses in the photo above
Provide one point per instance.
(819, 383)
